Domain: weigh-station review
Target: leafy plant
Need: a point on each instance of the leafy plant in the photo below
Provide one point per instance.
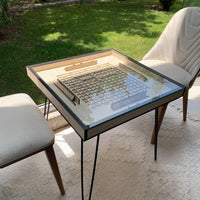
(166, 4)
(4, 12)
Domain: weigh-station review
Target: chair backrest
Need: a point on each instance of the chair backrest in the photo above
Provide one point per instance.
(180, 41)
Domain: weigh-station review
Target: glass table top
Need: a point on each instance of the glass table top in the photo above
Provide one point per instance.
(99, 87)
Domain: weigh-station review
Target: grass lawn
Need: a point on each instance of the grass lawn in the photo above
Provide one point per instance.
(58, 32)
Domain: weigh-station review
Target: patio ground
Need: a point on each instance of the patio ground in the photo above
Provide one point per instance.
(125, 166)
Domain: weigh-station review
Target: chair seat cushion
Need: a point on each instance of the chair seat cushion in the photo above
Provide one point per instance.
(170, 70)
(23, 129)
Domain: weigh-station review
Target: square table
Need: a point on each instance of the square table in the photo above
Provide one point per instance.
(98, 91)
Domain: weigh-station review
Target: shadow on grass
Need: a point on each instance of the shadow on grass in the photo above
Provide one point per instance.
(60, 32)
(87, 23)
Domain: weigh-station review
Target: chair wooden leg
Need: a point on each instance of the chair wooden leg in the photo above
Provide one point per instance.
(185, 103)
(54, 166)
(161, 113)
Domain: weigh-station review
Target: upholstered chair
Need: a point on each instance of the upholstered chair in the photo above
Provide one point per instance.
(24, 132)
(176, 54)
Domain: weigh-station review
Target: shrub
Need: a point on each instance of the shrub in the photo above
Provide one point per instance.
(4, 12)
(166, 4)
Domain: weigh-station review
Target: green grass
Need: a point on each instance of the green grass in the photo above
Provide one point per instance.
(59, 32)
(189, 3)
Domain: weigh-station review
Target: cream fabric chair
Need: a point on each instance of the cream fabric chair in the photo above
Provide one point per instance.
(176, 54)
(24, 132)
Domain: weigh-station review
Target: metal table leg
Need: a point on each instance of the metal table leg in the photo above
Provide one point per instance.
(94, 168)
(156, 134)
(46, 107)
(82, 187)
(46, 113)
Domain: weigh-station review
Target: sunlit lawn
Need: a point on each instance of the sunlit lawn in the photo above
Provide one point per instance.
(59, 32)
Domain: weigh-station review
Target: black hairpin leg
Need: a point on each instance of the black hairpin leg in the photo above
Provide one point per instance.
(45, 105)
(156, 133)
(46, 108)
(82, 187)
(94, 168)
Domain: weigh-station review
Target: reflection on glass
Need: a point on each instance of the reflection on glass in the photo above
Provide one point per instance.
(99, 91)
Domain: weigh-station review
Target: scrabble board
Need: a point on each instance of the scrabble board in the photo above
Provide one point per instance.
(101, 84)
